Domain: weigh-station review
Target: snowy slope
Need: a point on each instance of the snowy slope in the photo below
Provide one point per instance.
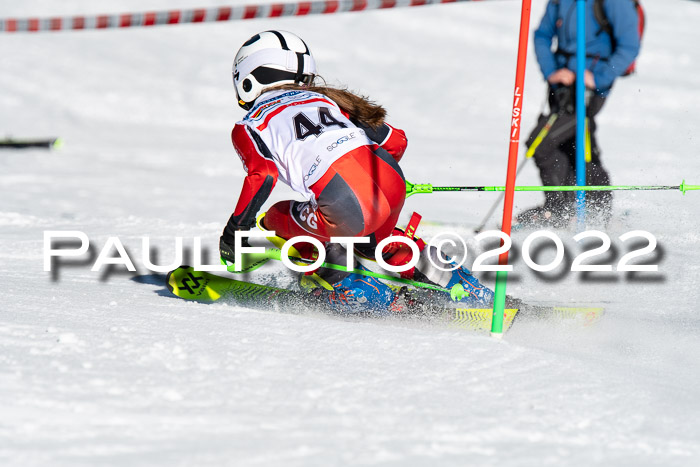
(100, 369)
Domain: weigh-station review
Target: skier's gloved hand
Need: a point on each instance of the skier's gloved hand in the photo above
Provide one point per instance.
(227, 246)
(227, 242)
(227, 251)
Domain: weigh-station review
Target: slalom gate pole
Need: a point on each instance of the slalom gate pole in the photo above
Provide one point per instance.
(416, 188)
(580, 111)
(501, 276)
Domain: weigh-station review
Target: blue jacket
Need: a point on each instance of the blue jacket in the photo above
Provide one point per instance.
(560, 20)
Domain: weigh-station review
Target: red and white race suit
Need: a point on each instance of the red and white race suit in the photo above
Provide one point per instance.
(347, 171)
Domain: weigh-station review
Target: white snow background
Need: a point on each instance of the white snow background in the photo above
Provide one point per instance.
(100, 369)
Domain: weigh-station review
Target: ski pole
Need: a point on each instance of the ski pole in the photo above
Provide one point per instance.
(456, 293)
(414, 188)
(541, 135)
(47, 143)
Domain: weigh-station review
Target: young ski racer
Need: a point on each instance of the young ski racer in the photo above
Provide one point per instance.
(334, 148)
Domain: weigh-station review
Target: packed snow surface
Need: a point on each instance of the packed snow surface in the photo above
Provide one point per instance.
(105, 368)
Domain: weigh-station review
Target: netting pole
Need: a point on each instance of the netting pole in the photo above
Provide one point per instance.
(501, 276)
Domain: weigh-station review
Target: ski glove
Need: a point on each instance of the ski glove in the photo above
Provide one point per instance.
(227, 248)
(227, 242)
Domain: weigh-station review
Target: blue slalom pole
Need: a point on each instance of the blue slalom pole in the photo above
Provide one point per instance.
(580, 111)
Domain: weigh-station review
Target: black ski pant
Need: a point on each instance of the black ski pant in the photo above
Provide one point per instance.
(555, 157)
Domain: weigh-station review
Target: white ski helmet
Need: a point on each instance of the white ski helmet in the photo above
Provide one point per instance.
(269, 59)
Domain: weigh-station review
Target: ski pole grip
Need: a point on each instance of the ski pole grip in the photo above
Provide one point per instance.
(413, 188)
(684, 187)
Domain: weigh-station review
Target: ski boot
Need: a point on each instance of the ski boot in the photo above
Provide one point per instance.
(426, 271)
(357, 294)
(398, 253)
(479, 294)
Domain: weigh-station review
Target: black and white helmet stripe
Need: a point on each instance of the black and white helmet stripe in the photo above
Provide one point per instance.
(283, 42)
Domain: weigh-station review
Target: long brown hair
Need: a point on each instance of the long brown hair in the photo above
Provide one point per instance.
(356, 106)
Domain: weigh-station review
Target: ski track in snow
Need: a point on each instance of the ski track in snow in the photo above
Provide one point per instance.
(101, 369)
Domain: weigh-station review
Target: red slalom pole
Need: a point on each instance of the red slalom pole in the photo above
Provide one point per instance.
(501, 276)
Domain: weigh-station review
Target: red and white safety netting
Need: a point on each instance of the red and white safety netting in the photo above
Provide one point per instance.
(203, 15)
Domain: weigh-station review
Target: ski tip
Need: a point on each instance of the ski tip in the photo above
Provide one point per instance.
(169, 282)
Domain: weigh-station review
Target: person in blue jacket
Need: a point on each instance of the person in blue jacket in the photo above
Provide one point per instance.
(610, 50)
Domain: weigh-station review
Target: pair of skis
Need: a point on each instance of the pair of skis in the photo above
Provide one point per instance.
(187, 283)
(413, 298)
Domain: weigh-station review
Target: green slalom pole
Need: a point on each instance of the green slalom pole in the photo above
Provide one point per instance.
(252, 261)
(416, 188)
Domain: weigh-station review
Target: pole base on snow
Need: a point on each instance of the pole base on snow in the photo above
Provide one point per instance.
(499, 303)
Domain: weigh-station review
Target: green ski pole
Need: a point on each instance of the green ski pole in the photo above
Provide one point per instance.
(498, 201)
(258, 259)
(415, 188)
